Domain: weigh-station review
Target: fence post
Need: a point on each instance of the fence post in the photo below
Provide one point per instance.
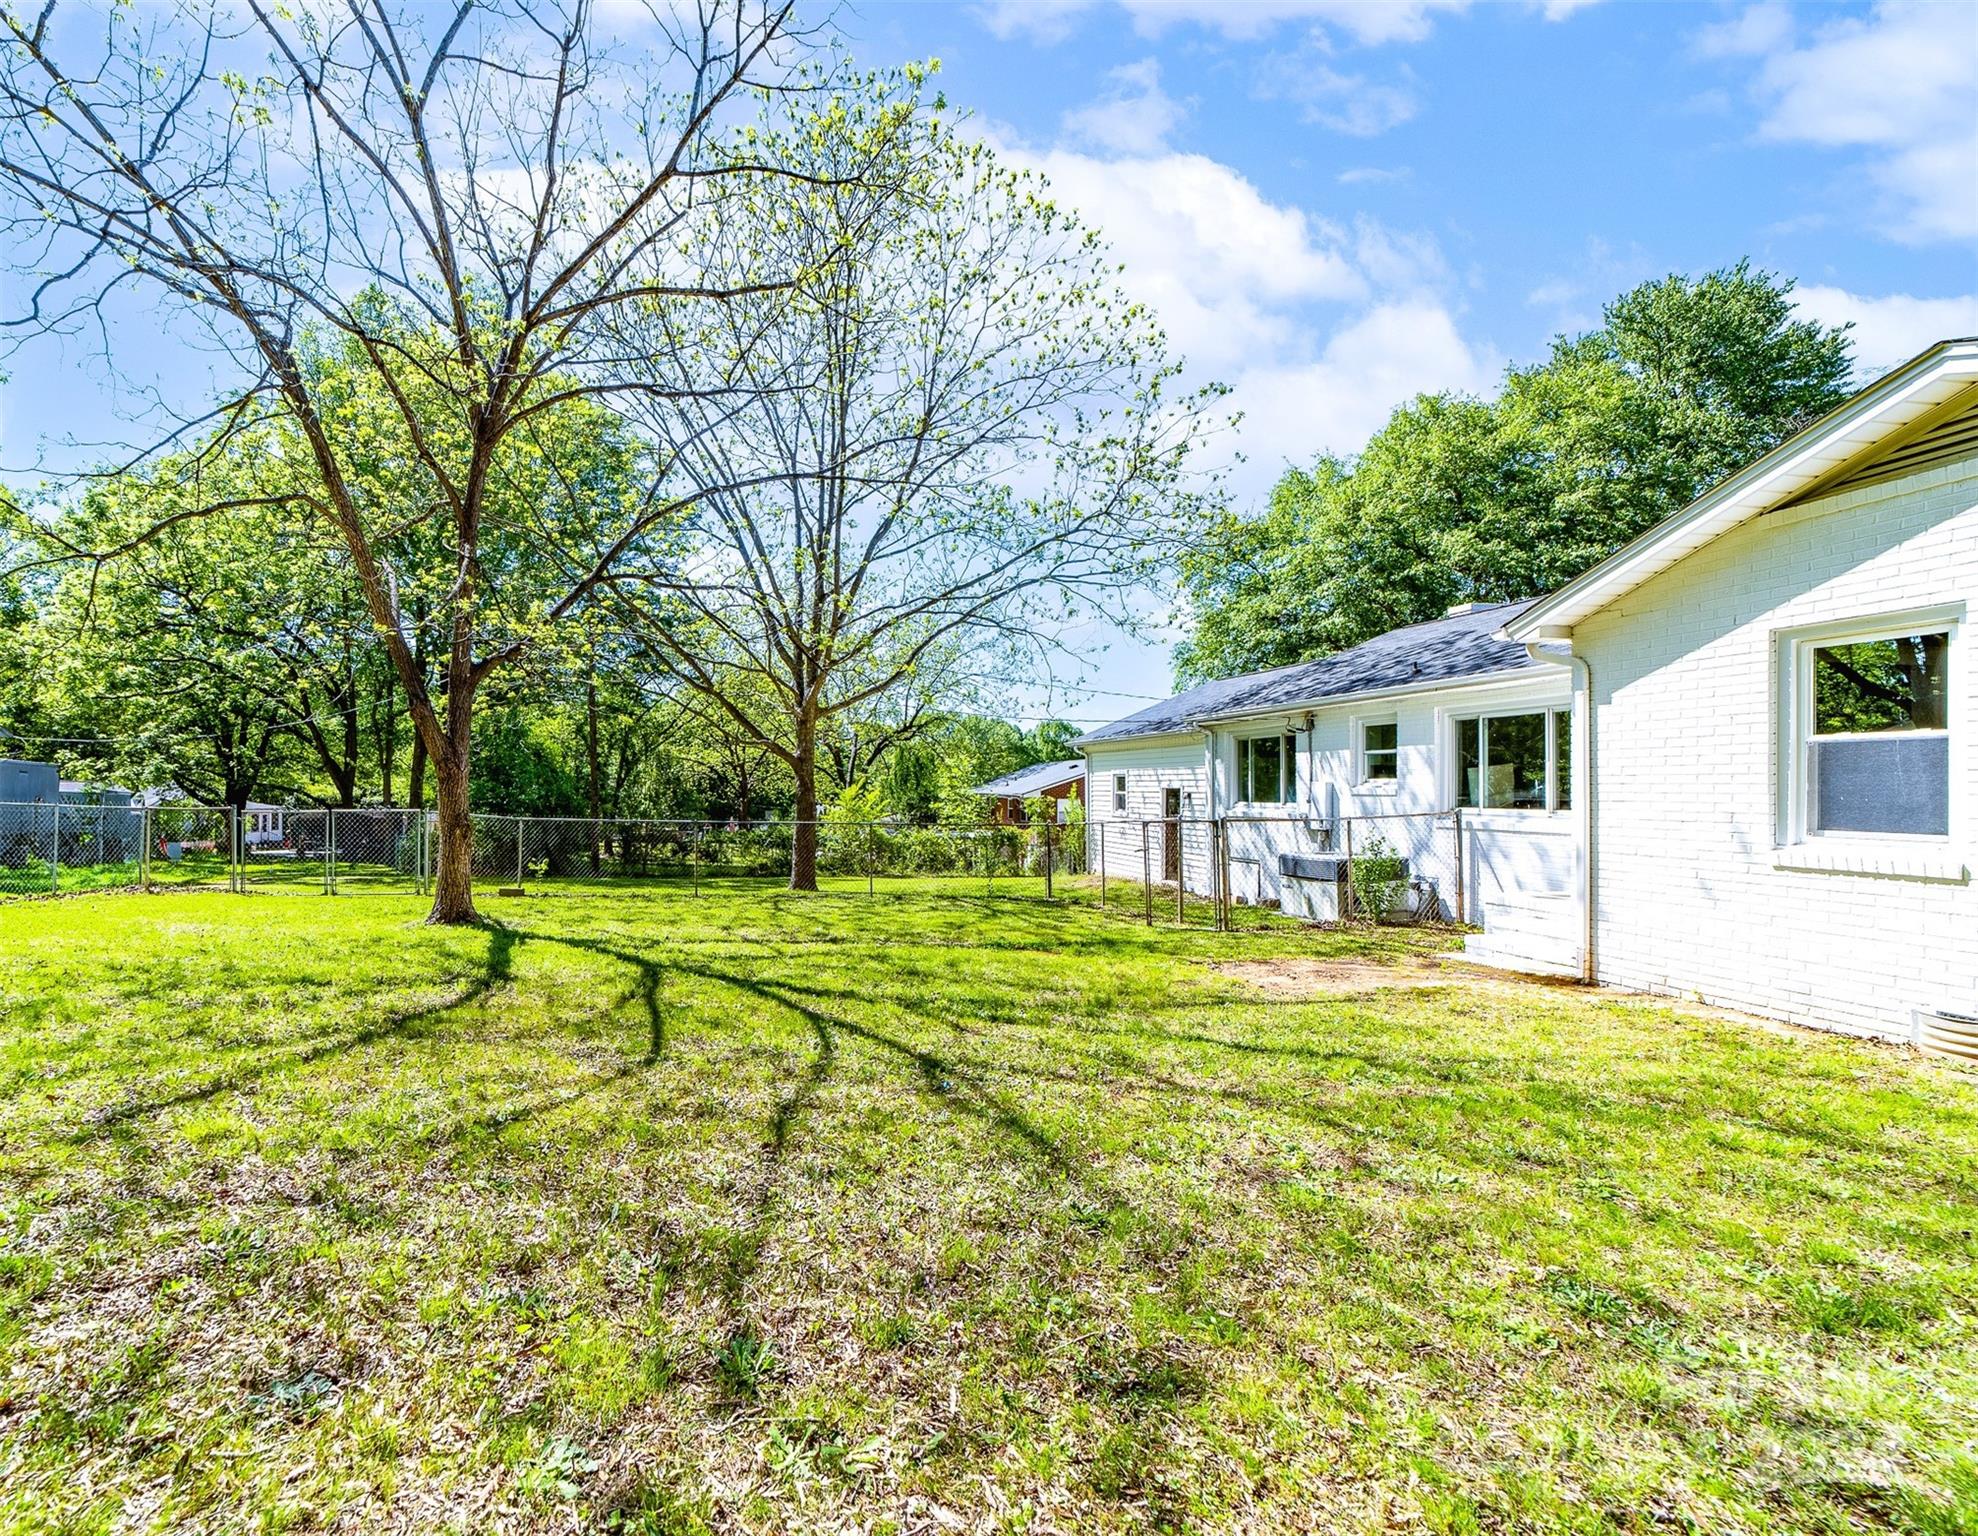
(1146, 875)
(144, 848)
(1102, 866)
(329, 853)
(1462, 912)
(1181, 872)
(1217, 874)
(55, 850)
(1049, 890)
(871, 842)
(1346, 896)
(236, 859)
(694, 856)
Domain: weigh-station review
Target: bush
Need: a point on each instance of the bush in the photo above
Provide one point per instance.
(1379, 877)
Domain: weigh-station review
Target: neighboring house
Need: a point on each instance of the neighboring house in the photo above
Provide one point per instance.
(93, 822)
(108, 796)
(1390, 736)
(261, 826)
(1785, 776)
(28, 783)
(1060, 782)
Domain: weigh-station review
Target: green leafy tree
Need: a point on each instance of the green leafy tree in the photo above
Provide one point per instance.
(1457, 499)
(480, 202)
(949, 435)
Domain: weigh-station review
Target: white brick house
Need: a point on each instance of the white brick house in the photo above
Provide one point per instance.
(1783, 712)
(1382, 741)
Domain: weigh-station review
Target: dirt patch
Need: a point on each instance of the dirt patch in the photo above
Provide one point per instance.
(1294, 978)
(1291, 977)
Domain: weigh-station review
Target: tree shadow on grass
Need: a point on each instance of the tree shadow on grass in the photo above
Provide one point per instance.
(648, 974)
(497, 969)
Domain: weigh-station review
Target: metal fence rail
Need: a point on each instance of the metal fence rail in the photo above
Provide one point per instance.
(1225, 872)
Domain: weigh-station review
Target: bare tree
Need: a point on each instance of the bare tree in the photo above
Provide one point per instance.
(472, 208)
(951, 436)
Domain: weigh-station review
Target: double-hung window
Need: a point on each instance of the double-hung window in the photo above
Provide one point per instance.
(1119, 793)
(1267, 769)
(1872, 754)
(1515, 762)
(1380, 751)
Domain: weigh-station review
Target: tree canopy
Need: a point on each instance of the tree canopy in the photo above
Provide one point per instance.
(1459, 499)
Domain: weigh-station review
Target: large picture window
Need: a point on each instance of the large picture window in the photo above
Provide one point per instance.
(1515, 762)
(1267, 769)
(1874, 755)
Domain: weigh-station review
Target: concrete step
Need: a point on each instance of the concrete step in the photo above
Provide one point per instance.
(1536, 953)
(1558, 916)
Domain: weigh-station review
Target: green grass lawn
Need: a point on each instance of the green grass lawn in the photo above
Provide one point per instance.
(752, 1212)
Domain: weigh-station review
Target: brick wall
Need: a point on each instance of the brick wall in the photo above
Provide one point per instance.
(1685, 674)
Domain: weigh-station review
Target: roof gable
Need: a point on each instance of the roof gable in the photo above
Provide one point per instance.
(1867, 437)
(1034, 779)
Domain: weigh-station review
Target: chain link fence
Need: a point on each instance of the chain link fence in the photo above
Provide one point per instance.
(1228, 873)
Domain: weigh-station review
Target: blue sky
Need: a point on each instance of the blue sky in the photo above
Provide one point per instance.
(1335, 204)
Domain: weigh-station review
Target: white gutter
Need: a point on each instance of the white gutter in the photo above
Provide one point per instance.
(1583, 797)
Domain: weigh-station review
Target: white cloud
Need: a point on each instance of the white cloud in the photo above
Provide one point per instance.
(1899, 84)
(1319, 328)
(1135, 117)
(1368, 175)
(1223, 267)
(1751, 33)
(1042, 21)
(1892, 328)
(1335, 401)
(1347, 102)
(1363, 21)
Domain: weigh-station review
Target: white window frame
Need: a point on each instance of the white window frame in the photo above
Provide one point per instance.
(1287, 767)
(1119, 794)
(1558, 718)
(1361, 778)
(1793, 679)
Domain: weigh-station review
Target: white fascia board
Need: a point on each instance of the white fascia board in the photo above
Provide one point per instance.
(1887, 405)
(1142, 738)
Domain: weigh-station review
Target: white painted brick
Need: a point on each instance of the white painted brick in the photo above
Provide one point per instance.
(1688, 900)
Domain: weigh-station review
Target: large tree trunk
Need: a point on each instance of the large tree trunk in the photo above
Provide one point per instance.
(453, 876)
(453, 879)
(803, 842)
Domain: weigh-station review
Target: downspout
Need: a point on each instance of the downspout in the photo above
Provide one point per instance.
(1583, 799)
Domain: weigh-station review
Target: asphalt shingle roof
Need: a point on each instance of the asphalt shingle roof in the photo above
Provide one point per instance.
(1028, 781)
(1448, 649)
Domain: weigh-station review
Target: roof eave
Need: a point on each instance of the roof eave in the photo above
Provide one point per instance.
(1085, 744)
(1762, 484)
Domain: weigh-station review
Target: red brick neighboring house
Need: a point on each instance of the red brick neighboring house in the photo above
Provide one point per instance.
(1060, 781)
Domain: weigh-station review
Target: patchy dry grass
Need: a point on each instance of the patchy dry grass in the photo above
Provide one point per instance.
(646, 1214)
